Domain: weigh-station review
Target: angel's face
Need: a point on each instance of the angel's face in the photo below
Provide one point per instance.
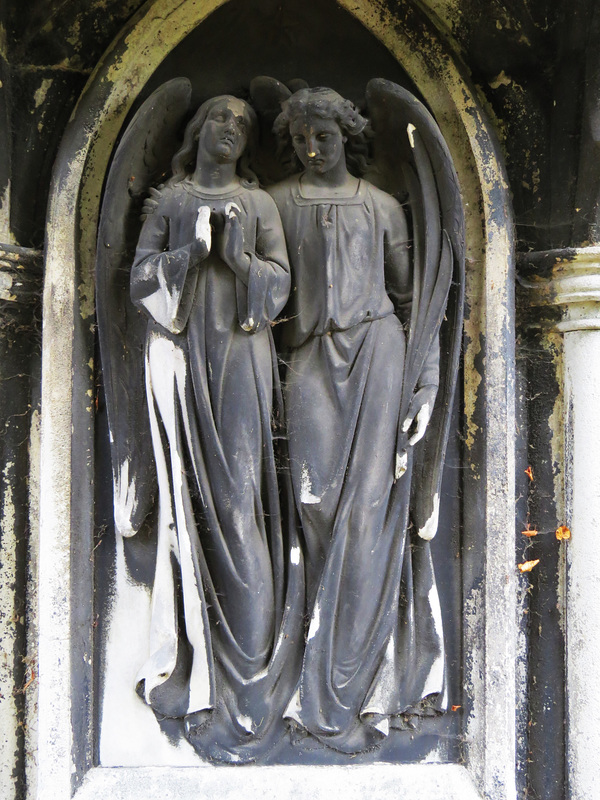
(223, 135)
(318, 142)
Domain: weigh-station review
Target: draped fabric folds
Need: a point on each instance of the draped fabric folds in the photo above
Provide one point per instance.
(374, 652)
(290, 586)
(228, 594)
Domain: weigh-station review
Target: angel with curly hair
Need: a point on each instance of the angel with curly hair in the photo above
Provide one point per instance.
(369, 663)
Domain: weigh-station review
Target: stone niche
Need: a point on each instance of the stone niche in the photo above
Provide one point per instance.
(97, 736)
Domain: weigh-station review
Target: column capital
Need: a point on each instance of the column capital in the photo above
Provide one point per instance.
(20, 282)
(561, 288)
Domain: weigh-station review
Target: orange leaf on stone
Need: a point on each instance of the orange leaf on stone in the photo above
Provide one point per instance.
(527, 566)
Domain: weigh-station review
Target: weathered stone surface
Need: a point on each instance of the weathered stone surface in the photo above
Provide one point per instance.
(528, 62)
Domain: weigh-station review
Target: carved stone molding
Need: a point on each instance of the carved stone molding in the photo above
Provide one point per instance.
(20, 283)
(566, 282)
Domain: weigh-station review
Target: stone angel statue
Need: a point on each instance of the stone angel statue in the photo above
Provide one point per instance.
(185, 313)
(372, 368)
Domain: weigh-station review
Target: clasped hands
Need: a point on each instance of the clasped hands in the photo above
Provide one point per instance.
(230, 242)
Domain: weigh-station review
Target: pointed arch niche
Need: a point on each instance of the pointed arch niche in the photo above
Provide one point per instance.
(90, 746)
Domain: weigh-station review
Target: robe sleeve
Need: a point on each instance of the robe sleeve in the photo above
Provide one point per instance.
(262, 299)
(399, 285)
(163, 282)
(398, 268)
(430, 374)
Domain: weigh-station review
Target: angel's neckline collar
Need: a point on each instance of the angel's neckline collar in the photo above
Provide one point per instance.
(349, 200)
(192, 188)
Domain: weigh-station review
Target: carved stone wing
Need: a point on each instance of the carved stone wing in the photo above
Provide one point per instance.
(141, 161)
(412, 160)
(272, 163)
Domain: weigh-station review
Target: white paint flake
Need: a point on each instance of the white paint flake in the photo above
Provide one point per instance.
(294, 708)
(164, 303)
(401, 464)
(434, 756)
(166, 375)
(383, 726)
(409, 130)
(315, 623)
(435, 679)
(246, 723)
(129, 732)
(125, 501)
(232, 210)
(385, 685)
(295, 555)
(202, 230)
(429, 529)
(306, 495)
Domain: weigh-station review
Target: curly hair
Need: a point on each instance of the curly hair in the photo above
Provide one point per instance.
(184, 160)
(327, 104)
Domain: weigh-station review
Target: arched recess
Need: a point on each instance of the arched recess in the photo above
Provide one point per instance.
(66, 743)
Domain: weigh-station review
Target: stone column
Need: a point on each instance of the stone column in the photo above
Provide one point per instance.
(568, 281)
(20, 322)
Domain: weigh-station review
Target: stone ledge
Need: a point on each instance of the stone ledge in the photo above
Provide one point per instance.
(377, 782)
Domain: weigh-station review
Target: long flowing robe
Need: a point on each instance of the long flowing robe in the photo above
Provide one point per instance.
(228, 595)
(374, 652)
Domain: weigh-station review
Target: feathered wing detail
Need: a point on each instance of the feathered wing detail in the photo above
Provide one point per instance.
(141, 161)
(270, 163)
(412, 161)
